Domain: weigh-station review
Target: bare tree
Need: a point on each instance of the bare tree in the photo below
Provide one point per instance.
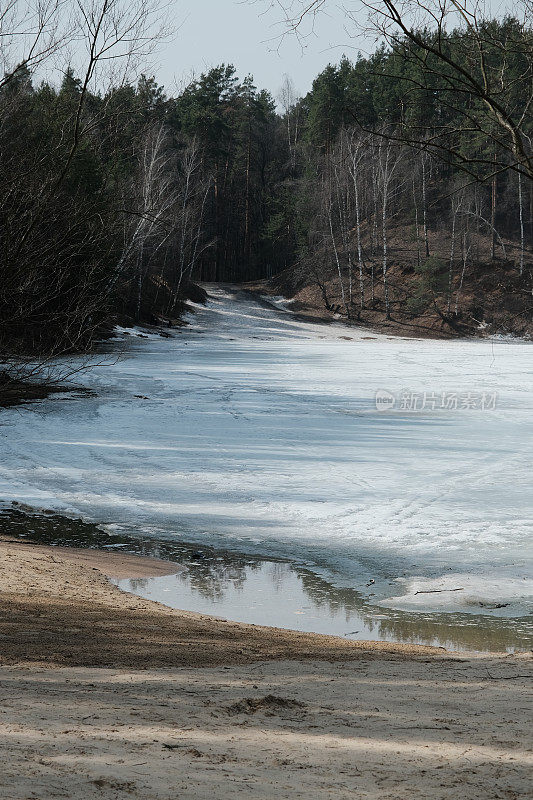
(32, 32)
(465, 254)
(288, 100)
(49, 234)
(356, 154)
(457, 200)
(329, 203)
(193, 191)
(388, 160)
(521, 218)
(156, 196)
(426, 167)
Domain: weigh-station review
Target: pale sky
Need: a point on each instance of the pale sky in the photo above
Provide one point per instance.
(247, 35)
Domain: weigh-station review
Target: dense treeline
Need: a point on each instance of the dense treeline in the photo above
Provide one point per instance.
(118, 220)
(113, 203)
(397, 166)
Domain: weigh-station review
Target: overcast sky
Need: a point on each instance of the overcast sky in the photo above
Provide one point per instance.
(247, 35)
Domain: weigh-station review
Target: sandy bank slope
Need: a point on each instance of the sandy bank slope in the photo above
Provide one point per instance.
(388, 724)
(57, 607)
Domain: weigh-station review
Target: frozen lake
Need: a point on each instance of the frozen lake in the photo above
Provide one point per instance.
(258, 433)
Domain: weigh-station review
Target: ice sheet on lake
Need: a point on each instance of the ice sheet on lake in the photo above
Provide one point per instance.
(255, 431)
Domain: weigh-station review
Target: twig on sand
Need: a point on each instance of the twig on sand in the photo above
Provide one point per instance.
(506, 677)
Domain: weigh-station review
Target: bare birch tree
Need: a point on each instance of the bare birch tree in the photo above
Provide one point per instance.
(388, 160)
(356, 153)
(288, 100)
(457, 199)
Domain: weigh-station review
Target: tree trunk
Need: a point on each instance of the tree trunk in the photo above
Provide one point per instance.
(521, 217)
(424, 205)
(374, 235)
(452, 255)
(493, 218)
(359, 246)
(417, 226)
(336, 254)
(385, 252)
(463, 271)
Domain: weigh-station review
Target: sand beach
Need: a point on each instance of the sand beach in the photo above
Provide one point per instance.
(106, 695)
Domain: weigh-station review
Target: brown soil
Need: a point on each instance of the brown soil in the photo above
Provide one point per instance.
(493, 298)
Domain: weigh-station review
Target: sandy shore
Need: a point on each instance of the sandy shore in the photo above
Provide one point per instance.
(102, 697)
(59, 608)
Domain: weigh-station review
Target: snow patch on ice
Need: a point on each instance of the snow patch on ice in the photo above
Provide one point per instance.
(500, 594)
(136, 332)
(279, 301)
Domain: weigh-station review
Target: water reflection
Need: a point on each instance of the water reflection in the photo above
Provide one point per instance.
(287, 596)
(271, 592)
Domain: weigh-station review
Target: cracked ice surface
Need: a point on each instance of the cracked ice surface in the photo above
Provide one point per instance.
(260, 433)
